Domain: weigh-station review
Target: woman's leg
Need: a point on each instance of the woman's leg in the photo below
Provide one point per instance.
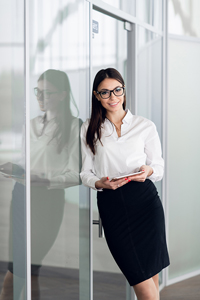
(146, 290)
(7, 289)
(156, 281)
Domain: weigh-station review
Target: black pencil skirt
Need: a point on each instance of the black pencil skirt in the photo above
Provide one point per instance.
(134, 227)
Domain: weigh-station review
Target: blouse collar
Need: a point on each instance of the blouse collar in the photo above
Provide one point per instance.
(128, 117)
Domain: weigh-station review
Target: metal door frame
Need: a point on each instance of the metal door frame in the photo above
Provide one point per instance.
(118, 14)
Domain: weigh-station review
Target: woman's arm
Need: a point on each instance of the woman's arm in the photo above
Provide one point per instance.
(154, 167)
(87, 174)
(69, 175)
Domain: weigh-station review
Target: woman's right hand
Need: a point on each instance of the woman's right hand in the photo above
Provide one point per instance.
(105, 183)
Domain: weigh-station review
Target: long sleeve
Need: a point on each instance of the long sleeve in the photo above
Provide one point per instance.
(154, 155)
(71, 162)
(87, 174)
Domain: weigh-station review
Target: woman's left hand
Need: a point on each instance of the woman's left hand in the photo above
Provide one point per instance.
(147, 171)
(39, 181)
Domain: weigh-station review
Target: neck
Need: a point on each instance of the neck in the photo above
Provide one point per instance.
(50, 115)
(116, 117)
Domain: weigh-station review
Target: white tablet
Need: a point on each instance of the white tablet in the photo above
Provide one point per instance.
(136, 173)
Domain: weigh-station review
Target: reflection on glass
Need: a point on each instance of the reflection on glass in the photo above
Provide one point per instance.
(125, 5)
(150, 12)
(55, 165)
(184, 17)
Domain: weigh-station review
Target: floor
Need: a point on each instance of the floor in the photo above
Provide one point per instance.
(186, 290)
(65, 284)
(62, 284)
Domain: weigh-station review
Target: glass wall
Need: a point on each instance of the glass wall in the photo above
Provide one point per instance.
(12, 159)
(184, 17)
(125, 5)
(151, 12)
(183, 153)
(147, 11)
(58, 83)
(57, 98)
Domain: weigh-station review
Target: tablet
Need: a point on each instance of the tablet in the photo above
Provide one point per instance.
(11, 176)
(136, 173)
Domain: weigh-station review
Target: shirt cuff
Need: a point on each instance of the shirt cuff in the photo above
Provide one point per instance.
(153, 175)
(92, 184)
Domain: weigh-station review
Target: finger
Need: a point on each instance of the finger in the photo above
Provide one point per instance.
(104, 179)
(121, 180)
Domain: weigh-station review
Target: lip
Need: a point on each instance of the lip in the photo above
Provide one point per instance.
(114, 104)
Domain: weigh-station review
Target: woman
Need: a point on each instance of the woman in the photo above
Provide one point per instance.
(55, 165)
(115, 144)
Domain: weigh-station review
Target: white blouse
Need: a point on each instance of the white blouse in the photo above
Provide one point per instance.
(61, 169)
(138, 145)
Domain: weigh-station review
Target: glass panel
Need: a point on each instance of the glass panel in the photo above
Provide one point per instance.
(183, 147)
(149, 78)
(125, 5)
(109, 50)
(109, 44)
(150, 11)
(149, 87)
(183, 17)
(12, 158)
(59, 206)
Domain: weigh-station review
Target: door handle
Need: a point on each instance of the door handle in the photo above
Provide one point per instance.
(99, 222)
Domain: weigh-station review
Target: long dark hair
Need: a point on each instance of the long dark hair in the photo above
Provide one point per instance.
(98, 113)
(64, 117)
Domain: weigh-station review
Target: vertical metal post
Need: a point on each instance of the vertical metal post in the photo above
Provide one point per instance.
(165, 118)
(132, 69)
(27, 149)
(132, 100)
(91, 204)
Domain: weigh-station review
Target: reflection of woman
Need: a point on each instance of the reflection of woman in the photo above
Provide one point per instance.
(54, 160)
(116, 143)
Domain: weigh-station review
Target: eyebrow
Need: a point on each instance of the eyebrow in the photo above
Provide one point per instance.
(43, 90)
(111, 90)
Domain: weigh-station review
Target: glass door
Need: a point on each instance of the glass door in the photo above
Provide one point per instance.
(109, 49)
(58, 106)
(57, 78)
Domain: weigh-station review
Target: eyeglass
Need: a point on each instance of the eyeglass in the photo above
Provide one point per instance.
(118, 91)
(44, 94)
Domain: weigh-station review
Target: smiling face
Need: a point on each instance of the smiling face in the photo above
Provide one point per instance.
(113, 103)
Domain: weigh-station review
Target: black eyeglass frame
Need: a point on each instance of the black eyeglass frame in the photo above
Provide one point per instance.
(42, 93)
(111, 91)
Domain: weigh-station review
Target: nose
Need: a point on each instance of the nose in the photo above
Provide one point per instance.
(112, 95)
(40, 96)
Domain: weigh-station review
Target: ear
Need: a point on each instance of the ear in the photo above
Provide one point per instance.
(96, 95)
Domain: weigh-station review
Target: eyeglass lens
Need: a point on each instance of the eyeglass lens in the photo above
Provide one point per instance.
(42, 94)
(117, 92)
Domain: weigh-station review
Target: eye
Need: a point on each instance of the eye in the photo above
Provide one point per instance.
(118, 90)
(104, 93)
